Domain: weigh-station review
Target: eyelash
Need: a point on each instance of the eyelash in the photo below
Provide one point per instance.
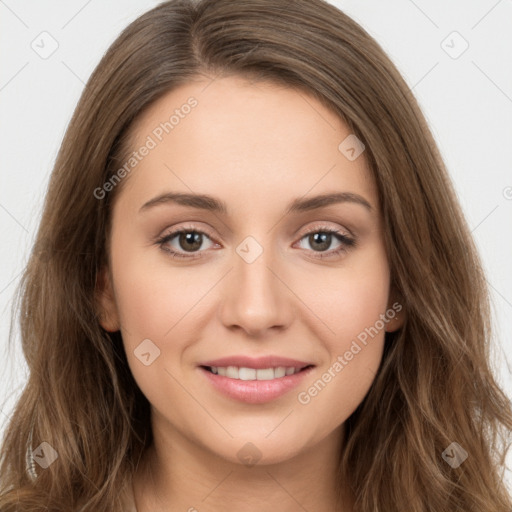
(347, 242)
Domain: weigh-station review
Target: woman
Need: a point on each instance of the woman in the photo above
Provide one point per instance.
(253, 287)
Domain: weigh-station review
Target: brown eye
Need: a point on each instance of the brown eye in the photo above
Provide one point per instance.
(190, 241)
(321, 239)
(181, 242)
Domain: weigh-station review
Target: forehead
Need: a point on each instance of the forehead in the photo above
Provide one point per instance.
(249, 142)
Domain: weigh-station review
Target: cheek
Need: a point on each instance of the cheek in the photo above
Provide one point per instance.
(151, 296)
(354, 353)
(336, 392)
(348, 299)
(147, 308)
(358, 309)
(154, 303)
(351, 303)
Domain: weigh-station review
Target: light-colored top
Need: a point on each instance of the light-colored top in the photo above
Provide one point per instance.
(127, 497)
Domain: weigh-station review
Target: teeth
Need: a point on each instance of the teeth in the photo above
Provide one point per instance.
(280, 371)
(232, 372)
(247, 373)
(265, 374)
(243, 373)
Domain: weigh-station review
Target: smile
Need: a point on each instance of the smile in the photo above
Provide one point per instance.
(254, 385)
(245, 373)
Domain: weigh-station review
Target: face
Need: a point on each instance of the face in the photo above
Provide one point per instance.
(222, 300)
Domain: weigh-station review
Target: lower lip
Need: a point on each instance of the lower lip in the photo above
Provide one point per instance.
(255, 391)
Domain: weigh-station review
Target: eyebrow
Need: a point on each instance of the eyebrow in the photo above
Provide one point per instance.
(210, 203)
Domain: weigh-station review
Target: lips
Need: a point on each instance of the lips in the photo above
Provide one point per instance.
(255, 380)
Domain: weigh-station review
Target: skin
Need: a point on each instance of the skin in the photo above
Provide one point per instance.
(257, 147)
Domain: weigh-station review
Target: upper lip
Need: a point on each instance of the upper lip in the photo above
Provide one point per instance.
(256, 362)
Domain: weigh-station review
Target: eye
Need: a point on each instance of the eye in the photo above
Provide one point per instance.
(183, 241)
(320, 239)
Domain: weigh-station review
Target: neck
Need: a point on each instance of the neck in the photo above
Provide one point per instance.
(177, 474)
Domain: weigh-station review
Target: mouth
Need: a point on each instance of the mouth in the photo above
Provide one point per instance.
(250, 374)
(255, 385)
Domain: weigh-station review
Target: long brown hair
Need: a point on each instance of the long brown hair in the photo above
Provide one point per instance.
(435, 385)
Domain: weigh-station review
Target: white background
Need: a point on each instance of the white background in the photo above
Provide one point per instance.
(467, 102)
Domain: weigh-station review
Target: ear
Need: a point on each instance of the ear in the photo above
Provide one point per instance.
(105, 301)
(396, 306)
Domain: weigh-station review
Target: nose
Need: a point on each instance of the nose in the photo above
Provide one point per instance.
(256, 297)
